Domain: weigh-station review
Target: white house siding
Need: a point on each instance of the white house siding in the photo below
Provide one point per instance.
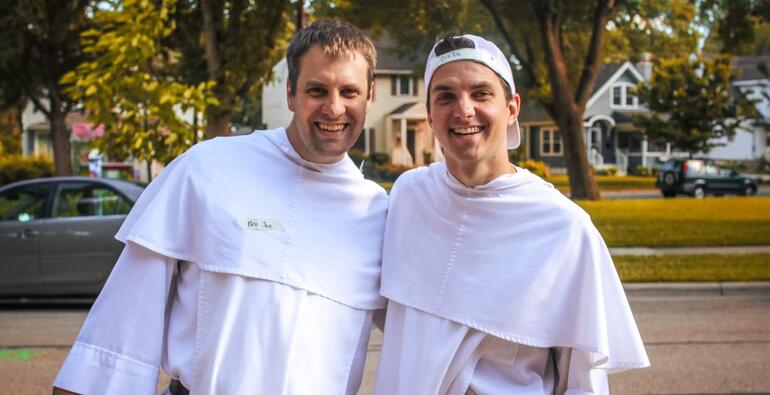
(275, 110)
(746, 145)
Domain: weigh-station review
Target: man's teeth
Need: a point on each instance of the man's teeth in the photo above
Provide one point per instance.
(471, 130)
(331, 127)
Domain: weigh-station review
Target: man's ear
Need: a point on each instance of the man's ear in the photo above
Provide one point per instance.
(514, 106)
(289, 96)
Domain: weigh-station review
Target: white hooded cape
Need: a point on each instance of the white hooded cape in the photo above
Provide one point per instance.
(250, 206)
(513, 258)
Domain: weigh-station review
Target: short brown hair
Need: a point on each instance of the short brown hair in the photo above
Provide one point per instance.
(336, 38)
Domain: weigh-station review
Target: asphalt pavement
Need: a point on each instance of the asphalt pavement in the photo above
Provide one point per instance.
(702, 338)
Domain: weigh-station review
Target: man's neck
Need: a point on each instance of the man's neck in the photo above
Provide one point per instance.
(476, 174)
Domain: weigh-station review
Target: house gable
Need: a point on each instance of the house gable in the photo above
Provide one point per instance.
(625, 76)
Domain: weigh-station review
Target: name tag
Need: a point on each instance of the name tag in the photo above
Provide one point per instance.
(264, 224)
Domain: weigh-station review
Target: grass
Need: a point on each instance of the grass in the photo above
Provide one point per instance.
(674, 268)
(726, 221)
(608, 183)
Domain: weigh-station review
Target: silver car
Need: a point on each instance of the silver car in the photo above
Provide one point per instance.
(56, 234)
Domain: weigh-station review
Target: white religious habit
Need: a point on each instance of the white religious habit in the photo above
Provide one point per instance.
(503, 288)
(247, 270)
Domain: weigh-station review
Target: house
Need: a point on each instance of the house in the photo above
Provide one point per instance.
(611, 138)
(36, 141)
(397, 110)
(750, 142)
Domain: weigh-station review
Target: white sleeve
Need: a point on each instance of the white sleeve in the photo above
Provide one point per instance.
(581, 378)
(119, 348)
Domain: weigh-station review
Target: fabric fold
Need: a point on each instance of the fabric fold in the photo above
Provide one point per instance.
(291, 224)
(513, 258)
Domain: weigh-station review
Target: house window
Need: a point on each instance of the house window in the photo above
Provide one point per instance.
(403, 85)
(623, 96)
(550, 142)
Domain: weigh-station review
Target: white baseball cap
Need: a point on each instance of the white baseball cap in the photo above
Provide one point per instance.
(482, 51)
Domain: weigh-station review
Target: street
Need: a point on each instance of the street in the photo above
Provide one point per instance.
(699, 343)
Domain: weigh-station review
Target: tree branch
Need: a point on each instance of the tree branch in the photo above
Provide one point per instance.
(39, 105)
(604, 9)
(525, 62)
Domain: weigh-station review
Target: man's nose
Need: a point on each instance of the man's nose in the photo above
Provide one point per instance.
(334, 106)
(464, 108)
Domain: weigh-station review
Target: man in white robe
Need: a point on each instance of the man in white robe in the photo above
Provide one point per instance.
(497, 283)
(251, 263)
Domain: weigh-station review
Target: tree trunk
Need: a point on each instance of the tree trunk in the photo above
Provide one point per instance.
(568, 107)
(62, 150)
(218, 119)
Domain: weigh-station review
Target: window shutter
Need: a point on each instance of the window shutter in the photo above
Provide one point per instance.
(393, 85)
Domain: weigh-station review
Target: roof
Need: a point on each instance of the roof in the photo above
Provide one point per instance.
(746, 67)
(605, 73)
(389, 60)
(402, 108)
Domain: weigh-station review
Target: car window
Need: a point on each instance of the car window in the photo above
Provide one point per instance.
(86, 199)
(712, 170)
(725, 172)
(24, 203)
(694, 167)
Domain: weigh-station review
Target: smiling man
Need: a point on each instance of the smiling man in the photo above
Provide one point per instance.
(498, 284)
(252, 263)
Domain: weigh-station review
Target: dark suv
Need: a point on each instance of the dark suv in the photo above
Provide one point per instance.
(698, 177)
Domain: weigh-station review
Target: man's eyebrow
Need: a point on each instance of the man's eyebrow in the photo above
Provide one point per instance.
(482, 85)
(442, 88)
(313, 84)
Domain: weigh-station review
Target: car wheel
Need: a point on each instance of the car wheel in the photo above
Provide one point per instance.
(699, 192)
(749, 190)
(668, 194)
(669, 180)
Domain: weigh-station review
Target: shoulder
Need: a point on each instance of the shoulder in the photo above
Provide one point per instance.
(413, 178)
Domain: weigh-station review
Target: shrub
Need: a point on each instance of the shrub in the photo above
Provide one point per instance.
(389, 172)
(607, 171)
(380, 158)
(358, 156)
(537, 167)
(16, 168)
(645, 171)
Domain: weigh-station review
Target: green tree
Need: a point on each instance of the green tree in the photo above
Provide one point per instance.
(558, 47)
(735, 25)
(235, 43)
(691, 103)
(126, 87)
(40, 44)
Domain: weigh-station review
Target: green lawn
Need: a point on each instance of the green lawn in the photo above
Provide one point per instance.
(726, 221)
(673, 268)
(608, 183)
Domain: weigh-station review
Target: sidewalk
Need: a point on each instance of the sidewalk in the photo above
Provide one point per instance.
(692, 289)
(637, 251)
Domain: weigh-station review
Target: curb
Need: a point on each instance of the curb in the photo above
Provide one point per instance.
(727, 289)
(726, 250)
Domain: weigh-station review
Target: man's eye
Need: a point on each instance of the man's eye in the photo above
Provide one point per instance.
(350, 93)
(443, 98)
(315, 92)
(483, 94)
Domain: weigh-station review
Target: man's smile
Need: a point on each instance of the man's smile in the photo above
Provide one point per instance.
(330, 127)
(467, 130)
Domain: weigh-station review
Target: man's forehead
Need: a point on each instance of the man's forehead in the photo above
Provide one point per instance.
(464, 73)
